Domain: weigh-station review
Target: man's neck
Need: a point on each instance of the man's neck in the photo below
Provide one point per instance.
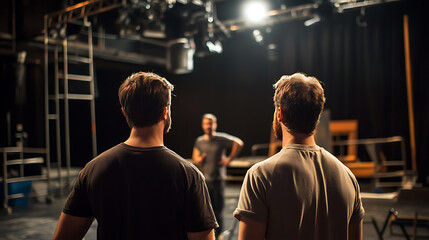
(145, 137)
(209, 136)
(297, 138)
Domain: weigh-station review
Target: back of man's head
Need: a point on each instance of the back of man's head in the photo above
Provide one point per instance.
(301, 99)
(143, 97)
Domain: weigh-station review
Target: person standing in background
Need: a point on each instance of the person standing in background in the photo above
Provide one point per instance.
(210, 155)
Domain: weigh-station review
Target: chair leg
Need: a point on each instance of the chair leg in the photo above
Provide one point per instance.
(415, 226)
(405, 232)
(387, 221)
(390, 229)
(379, 234)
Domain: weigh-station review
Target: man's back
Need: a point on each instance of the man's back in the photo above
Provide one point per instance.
(137, 193)
(303, 192)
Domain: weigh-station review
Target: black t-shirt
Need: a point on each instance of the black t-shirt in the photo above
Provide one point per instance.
(142, 193)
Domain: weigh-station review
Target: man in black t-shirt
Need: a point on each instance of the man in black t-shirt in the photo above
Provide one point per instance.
(140, 189)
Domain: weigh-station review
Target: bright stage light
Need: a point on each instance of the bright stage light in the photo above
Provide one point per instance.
(255, 11)
(312, 21)
(258, 36)
(214, 46)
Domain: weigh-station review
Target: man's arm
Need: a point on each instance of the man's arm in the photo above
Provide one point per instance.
(355, 230)
(197, 156)
(206, 235)
(237, 145)
(251, 229)
(72, 227)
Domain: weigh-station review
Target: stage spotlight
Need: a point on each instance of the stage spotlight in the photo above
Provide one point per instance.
(180, 55)
(257, 35)
(214, 46)
(255, 11)
(312, 21)
(208, 47)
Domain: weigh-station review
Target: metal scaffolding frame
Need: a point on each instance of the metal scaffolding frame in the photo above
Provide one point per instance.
(80, 11)
(381, 165)
(62, 61)
(22, 161)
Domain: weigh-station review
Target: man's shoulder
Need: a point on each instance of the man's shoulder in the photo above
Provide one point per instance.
(103, 160)
(200, 138)
(223, 135)
(284, 156)
(110, 153)
(329, 155)
(110, 158)
(264, 167)
(124, 151)
(189, 168)
(288, 157)
(335, 161)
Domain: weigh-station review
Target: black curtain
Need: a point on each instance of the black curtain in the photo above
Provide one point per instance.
(363, 70)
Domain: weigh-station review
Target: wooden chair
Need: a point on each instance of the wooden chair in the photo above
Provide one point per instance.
(348, 129)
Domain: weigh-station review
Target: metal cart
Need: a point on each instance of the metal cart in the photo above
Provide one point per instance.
(22, 156)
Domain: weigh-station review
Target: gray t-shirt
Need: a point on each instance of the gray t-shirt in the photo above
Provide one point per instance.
(302, 192)
(215, 150)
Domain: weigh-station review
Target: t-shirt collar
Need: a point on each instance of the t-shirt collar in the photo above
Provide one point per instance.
(302, 147)
(133, 148)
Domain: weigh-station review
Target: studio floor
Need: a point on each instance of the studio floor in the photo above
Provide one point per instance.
(38, 220)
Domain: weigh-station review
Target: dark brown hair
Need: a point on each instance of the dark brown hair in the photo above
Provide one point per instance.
(301, 99)
(143, 97)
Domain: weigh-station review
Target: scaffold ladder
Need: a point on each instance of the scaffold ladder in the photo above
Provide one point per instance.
(57, 100)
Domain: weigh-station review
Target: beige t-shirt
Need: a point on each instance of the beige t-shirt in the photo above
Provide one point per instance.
(302, 192)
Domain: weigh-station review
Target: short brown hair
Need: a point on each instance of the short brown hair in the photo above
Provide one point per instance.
(301, 99)
(210, 116)
(143, 96)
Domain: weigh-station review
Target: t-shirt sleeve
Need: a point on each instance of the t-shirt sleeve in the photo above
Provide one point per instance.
(77, 203)
(199, 213)
(197, 144)
(358, 210)
(252, 202)
(227, 140)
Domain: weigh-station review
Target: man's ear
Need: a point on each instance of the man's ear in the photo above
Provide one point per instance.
(123, 112)
(165, 113)
(280, 116)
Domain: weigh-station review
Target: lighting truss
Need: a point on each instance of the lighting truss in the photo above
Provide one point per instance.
(81, 10)
(274, 17)
(342, 5)
(304, 11)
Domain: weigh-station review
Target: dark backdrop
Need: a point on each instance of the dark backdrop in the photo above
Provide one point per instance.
(362, 69)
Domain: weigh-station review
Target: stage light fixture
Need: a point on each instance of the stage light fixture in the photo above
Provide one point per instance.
(361, 20)
(207, 47)
(257, 35)
(214, 46)
(180, 55)
(312, 21)
(255, 11)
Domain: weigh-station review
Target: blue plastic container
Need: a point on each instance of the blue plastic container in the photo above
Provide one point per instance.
(23, 187)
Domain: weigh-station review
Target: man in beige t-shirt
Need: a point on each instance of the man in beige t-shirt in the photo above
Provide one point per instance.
(302, 192)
